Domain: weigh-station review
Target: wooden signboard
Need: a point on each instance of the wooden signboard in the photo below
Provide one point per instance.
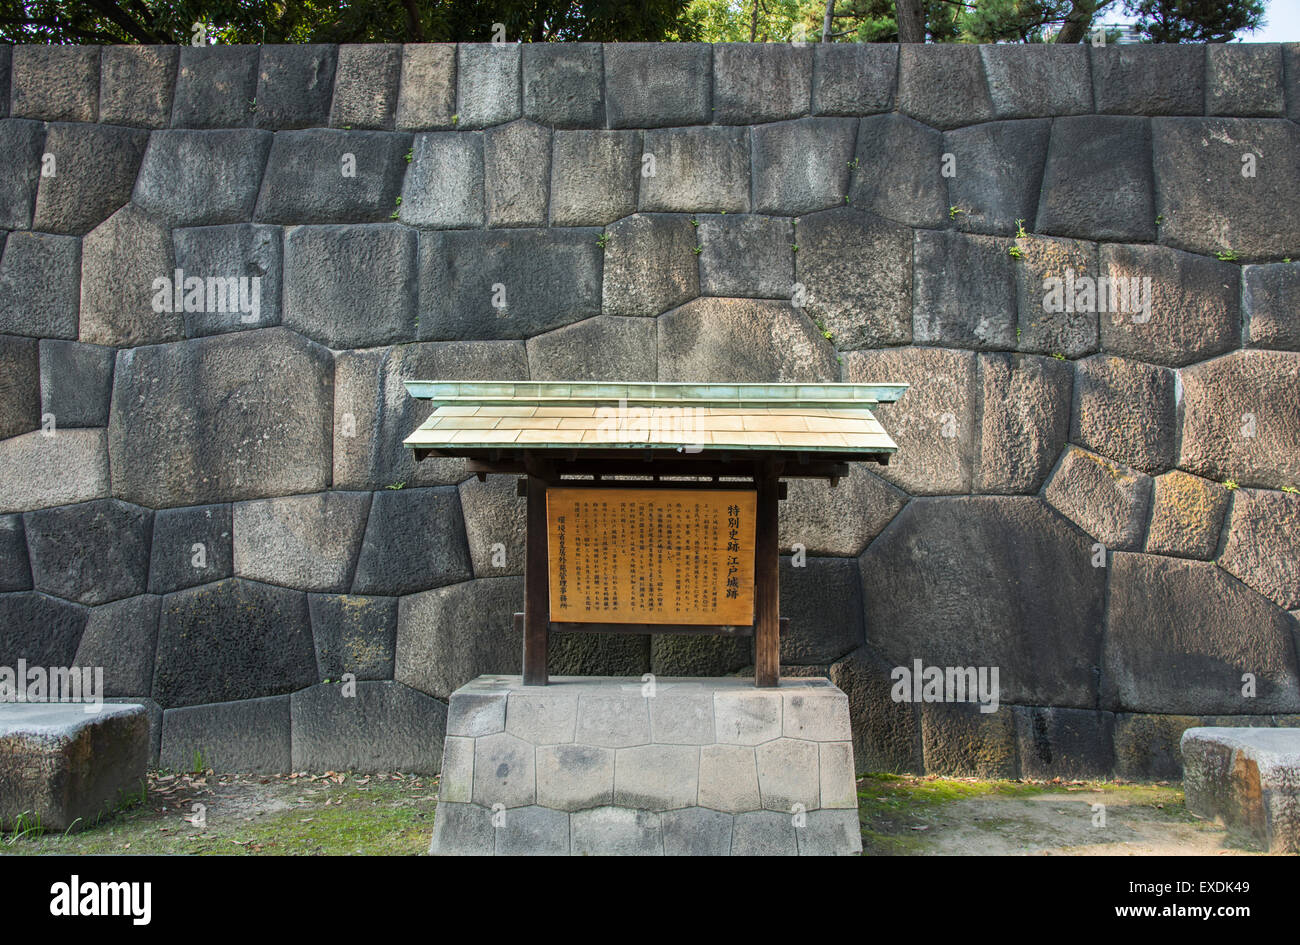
(651, 556)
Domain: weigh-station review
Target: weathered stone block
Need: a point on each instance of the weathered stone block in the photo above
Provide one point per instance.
(854, 78)
(1247, 778)
(613, 719)
(788, 774)
(898, 171)
(24, 142)
(1128, 411)
(456, 782)
(998, 171)
(76, 383)
(306, 541)
(494, 525)
(136, 85)
(1109, 501)
(1025, 420)
(694, 831)
(198, 178)
(1160, 80)
(504, 771)
(1050, 275)
(1244, 80)
(742, 340)
(615, 831)
(117, 311)
(763, 833)
(447, 636)
(237, 251)
(604, 348)
(695, 169)
(593, 176)
(20, 386)
(252, 735)
(120, 637)
(599, 654)
(656, 85)
(681, 714)
(96, 168)
(480, 709)
(1186, 516)
(216, 87)
(487, 84)
(414, 541)
(1270, 305)
(326, 175)
(746, 717)
(840, 521)
(943, 86)
(673, 655)
(533, 831)
(649, 265)
(384, 726)
(961, 741)
(92, 552)
(38, 471)
(55, 83)
(40, 285)
(745, 255)
(542, 716)
(830, 833)
(1064, 743)
(15, 570)
(427, 99)
(365, 86)
(6, 60)
(964, 291)
(1263, 546)
(190, 546)
(575, 777)
(656, 777)
(1097, 183)
(563, 84)
(295, 84)
(1037, 80)
(814, 711)
(517, 172)
(802, 165)
(755, 82)
(823, 599)
(40, 629)
(353, 634)
(838, 779)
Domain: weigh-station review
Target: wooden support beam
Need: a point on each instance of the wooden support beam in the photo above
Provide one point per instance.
(537, 589)
(767, 591)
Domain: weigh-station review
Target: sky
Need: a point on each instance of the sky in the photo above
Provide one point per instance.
(1281, 23)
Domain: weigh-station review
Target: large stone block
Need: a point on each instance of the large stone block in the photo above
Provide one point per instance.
(856, 274)
(1263, 546)
(24, 142)
(505, 771)
(257, 425)
(353, 634)
(1097, 183)
(216, 87)
(1187, 312)
(38, 471)
(1064, 743)
(1181, 634)
(20, 386)
(76, 383)
(934, 424)
(823, 599)
(746, 255)
(964, 291)
(854, 78)
(383, 726)
(478, 284)
(252, 735)
(1270, 305)
(838, 521)
(593, 176)
(788, 775)
(15, 570)
(742, 340)
(325, 175)
(414, 541)
(1241, 418)
(40, 629)
(365, 86)
(764, 833)
(674, 655)
(256, 641)
(604, 348)
(656, 777)
(6, 60)
(943, 85)
(1109, 501)
(649, 265)
(236, 251)
(563, 84)
(190, 546)
(351, 286)
(1249, 779)
(1037, 80)
(998, 171)
(487, 84)
(1244, 80)
(120, 638)
(1146, 746)
(755, 82)
(1024, 423)
(517, 173)
(40, 285)
(1186, 516)
(463, 829)
(695, 169)
(122, 260)
(495, 516)
(96, 167)
(1050, 274)
(802, 165)
(55, 83)
(994, 582)
(1209, 205)
(961, 741)
(1155, 80)
(448, 636)
(198, 178)
(427, 99)
(92, 552)
(1128, 411)
(695, 831)
(656, 85)
(305, 541)
(898, 171)
(295, 84)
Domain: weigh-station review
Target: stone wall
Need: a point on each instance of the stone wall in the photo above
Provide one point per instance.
(214, 504)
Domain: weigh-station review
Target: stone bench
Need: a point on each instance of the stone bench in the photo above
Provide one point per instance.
(61, 766)
(1248, 778)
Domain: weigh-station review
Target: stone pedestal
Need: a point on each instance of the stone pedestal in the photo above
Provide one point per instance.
(602, 765)
(1248, 778)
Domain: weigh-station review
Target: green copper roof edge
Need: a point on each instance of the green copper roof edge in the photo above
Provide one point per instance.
(657, 445)
(653, 393)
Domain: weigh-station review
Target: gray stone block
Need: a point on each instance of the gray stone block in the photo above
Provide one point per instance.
(1109, 501)
(943, 85)
(619, 719)
(1186, 516)
(856, 273)
(1127, 411)
(504, 771)
(494, 525)
(40, 285)
(563, 84)
(40, 629)
(998, 172)
(251, 735)
(295, 84)
(1263, 544)
(830, 833)
(838, 779)
(414, 540)
(615, 831)
(76, 383)
(728, 780)
(649, 265)
(1064, 743)
(239, 251)
(463, 830)
(1208, 205)
(456, 779)
(533, 831)
(593, 176)
(353, 634)
(934, 424)
(38, 471)
(487, 84)
(814, 711)
(964, 291)
(695, 169)
(155, 723)
(746, 716)
(597, 654)
(1244, 80)
(120, 638)
(448, 636)
(694, 831)
(427, 99)
(96, 168)
(838, 521)
(1097, 183)
(823, 600)
(742, 340)
(15, 570)
(20, 386)
(1024, 423)
(117, 311)
(898, 171)
(1146, 746)
(1245, 392)
(802, 165)
(351, 286)
(657, 85)
(1162, 79)
(673, 655)
(365, 86)
(259, 635)
(517, 174)
(1052, 317)
(763, 833)
(92, 552)
(656, 777)
(961, 741)
(542, 716)
(191, 546)
(485, 284)
(55, 83)
(759, 82)
(746, 255)
(63, 768)
(681, 714)
(1246, 779)
(305, 541)
(216, 87)
(257, 425)
(473, 713)
(383, 726)
(326, 175)
(1180, 634)
(1037, 80)
(197, 178)
(6, 61)
(854, 78)
(604, 348)
(1270, 306)
(136, 84)
(19, 177)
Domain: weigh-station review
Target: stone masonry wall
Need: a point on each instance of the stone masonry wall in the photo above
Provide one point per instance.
(214, 505)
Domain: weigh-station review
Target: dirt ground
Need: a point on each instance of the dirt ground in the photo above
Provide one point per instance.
(392, 814)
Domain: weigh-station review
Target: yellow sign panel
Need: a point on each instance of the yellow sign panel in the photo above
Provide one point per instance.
(655, 556)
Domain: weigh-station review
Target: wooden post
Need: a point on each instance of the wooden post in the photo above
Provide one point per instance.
(537, 588)
(767, 589)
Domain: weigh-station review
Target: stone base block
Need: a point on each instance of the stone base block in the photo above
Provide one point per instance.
(61, 767)
(1248, 778)
(669, 766)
